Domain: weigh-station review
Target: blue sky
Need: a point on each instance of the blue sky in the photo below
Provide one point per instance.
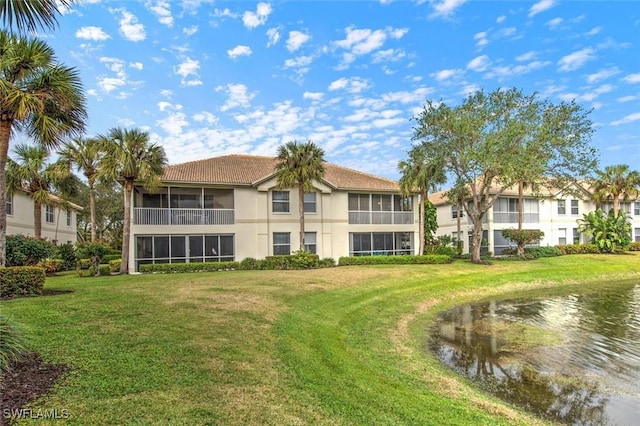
(208, 78)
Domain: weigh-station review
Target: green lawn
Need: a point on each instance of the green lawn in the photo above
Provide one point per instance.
(330, 346)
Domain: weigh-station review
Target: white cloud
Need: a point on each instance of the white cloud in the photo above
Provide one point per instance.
(188, 70)
(405, 97)
(479, 63)
(575, 60)
(173, 123)
(554, 23)
(443, 75)
(628, 98)
(109, 84)
(541, 6)
(388, 55)
(314, 96)
(445, 8)
(351, 85)
(602, 74)
(205, 117)
(300, 61)
(587, 96)
(162, 10)
(593, 31)
(238, 96)
(239, 50)
(364, 41)
(259, 17)
(189, 31)
(92, 33)
(627, 119)
(296, 39)
(273, 35)
(632, 78)
(526, 56)
(136, 65)
(500, 19)
(130, 28)
(481, 38)
(166, 93)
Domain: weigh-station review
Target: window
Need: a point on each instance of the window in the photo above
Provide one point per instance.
(562, 236)
(576, 236)
(380, 209)
(501, 243)
(310, 202)
(562, 207)
(69, 214)
(281, 243)
(505, 210)
(359, 202)
(380, 243)
(310, 243)
(636, 237)
(636, 208)
(186, 198)
(574, 207)
(9, 204)
(218, 198)
(183, 248)
(280, 202)
(160, 199)
(457, 211)
(48, 214)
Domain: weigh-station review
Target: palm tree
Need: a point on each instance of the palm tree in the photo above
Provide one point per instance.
(31, 171)
(617, 182)
(84, 154)
(38, 96)
(420, 175)
(299, 164)
(130, 157)
(29, 15)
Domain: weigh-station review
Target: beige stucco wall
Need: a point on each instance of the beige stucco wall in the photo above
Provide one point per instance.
(22, 221)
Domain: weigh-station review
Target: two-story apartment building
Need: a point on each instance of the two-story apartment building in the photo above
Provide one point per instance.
(229, 208)
(58, 219)
(554, 212)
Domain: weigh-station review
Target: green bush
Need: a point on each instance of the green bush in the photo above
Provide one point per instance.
(67, 252)
(114, 265)
(298, 260)
(327, 262)
(635, 246)
(95, 252)
(51, 266)
(109, 257)
(547, 251)
(27, 251)
(14, 346)
(84, 263)
(102, 271)
(578, 248)
(433, 259)
(21, 281)
(250, 264)
(168, 268)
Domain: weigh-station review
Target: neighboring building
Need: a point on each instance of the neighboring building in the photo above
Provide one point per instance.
(58, 220)
(228, 208)
(554, 212)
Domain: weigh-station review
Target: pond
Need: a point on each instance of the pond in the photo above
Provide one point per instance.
(572, 358)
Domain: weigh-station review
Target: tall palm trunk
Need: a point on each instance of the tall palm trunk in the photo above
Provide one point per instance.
(92, 209)
(301, 213)
(126, 227)
(5, 134)
(37, 219)
(422, 214)
(616, 204)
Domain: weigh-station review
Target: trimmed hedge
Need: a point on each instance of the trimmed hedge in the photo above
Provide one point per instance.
(169, 268)
(114, 265)
(635, 246)
(430, 259)
(107, 258)
(21, 281)
(532, 252)
(578, 248)
(27, 251)
(102, 271)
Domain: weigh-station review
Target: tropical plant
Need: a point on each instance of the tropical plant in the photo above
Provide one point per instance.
(14, 344)
(27, 251)
(130, 157)
(299, 164)
(617, 182)
(522, 237)
(611, 232)
(95, 252)
(420, 174)
(38, 96)
(29, 15)
(32, 172)
(84, 154)
(492, 141)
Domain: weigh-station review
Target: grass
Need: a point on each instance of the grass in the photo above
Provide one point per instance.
(342, 345)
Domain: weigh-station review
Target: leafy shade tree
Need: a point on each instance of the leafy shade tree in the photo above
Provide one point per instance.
(492, 141)
(38, 96)
(299, 164)
(30, 15)
(33, 172)
(84, 154)
(130, 157)
(522, 237)
(611, 232)
(617, 183)
(420, 174)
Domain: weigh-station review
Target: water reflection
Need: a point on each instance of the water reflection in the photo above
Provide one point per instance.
(573, 358)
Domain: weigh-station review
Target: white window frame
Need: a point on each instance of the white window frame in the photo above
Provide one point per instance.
(636, 208)
(311, 200)
(69, 217)
(576, 236)
(282, 244)
(562, 236)
(310, 245)
(456, 210)
(282, 202)
(9, 205)
(562, 207)
(49, 214)
(575, 204)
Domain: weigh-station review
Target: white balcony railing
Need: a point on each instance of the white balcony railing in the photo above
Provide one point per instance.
(156, 216)
(382, 218)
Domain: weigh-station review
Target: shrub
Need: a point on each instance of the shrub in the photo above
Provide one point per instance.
(84, 263)
(578, 248)
(27, 251)
(114, 265)
(250, 263)
(95, 252)
(102, 271)
(610, 233)
(167, 268)
(13, 345)
(109, 257)
(21, 281)
(298, 260)
(327, 262)
(432, 259)
(51, 266)
(635, 246)
(547, 251)
(67, 252)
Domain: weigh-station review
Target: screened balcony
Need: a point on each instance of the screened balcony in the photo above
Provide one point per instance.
(383, 209)
(184, 206)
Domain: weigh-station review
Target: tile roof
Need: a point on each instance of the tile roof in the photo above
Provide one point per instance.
(251, 170)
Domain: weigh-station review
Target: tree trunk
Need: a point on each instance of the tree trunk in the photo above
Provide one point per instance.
(5, 135)
(126, 227)
(37, 220)
(422, 214)
(616, 204)
(520, 215)
(476, 239)
(459, 243)
(301, 213)
(92, 208)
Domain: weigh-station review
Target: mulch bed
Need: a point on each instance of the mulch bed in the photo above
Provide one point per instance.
(45, 292)
(25, 381)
